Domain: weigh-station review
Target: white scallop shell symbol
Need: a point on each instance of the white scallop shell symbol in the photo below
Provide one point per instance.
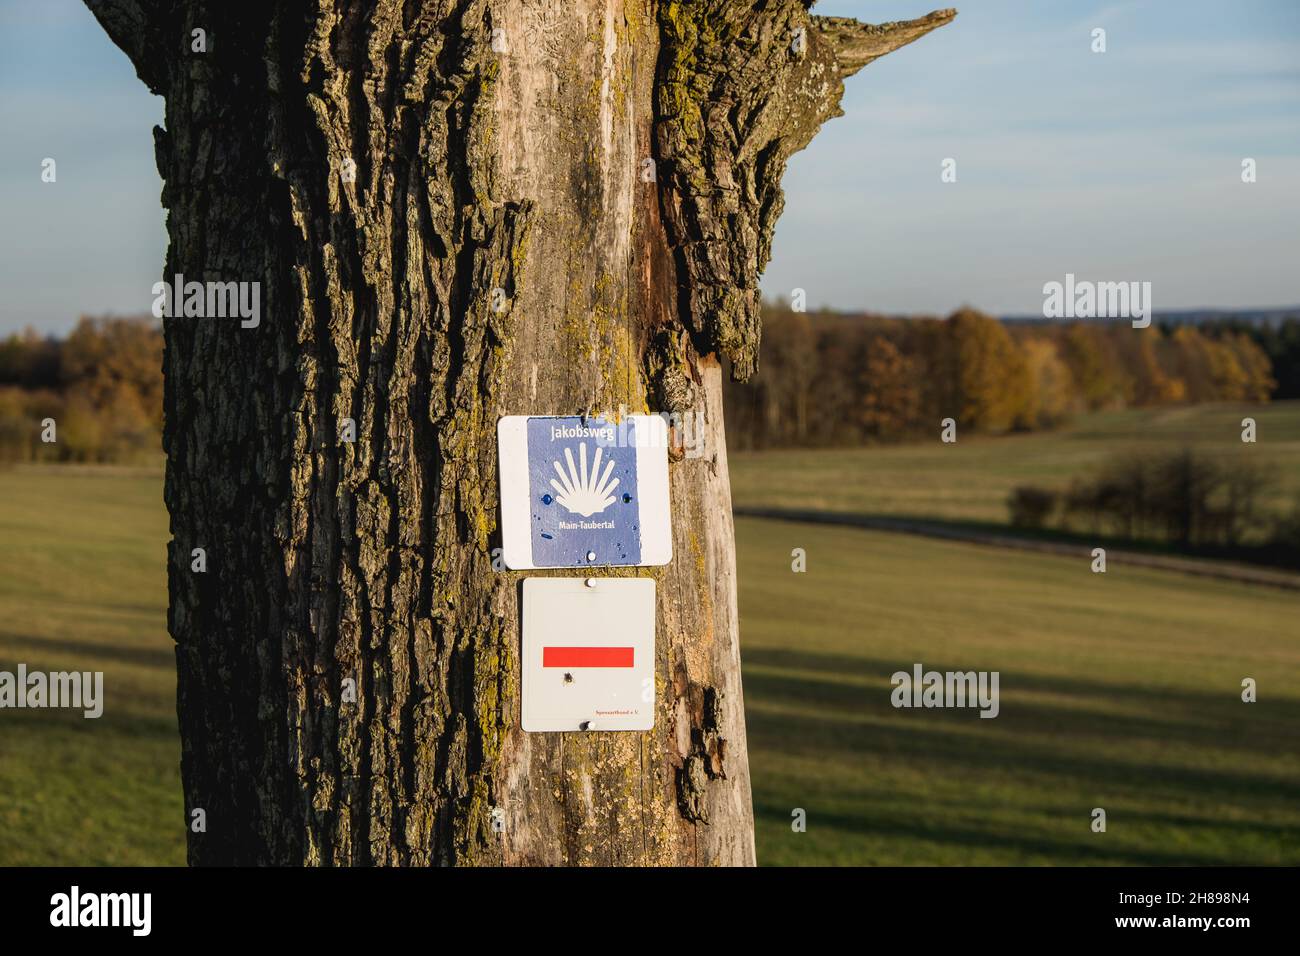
(581, 492)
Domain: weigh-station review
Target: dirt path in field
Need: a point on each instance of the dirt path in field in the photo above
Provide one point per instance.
(1202, 567)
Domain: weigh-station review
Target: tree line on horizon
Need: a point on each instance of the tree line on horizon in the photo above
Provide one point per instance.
(102, 386)
(824, 378)
(828, 378)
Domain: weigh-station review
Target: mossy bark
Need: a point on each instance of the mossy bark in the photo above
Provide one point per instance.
(497, 146)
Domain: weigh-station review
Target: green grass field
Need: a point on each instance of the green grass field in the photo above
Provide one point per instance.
(970, 480)
(83, 586)
(1119, 691)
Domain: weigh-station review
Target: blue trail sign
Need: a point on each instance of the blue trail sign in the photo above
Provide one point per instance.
(584, 492)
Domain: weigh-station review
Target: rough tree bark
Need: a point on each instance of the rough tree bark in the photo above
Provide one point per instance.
(521, 168)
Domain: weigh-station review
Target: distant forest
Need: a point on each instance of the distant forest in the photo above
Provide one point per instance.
(829, 378)
(102, 386)
(824, 378)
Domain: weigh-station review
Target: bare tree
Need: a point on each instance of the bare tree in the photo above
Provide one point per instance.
(391, 173)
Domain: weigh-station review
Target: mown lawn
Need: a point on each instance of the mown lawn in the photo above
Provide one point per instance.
(1119, 691)
(83, 587)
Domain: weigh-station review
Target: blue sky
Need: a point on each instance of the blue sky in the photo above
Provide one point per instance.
(1114, 166)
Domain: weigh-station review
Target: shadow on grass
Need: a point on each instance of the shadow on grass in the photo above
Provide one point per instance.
(89, 652)
(1202, 718)
(1061, 851)
(1276, 563)
(836, 709)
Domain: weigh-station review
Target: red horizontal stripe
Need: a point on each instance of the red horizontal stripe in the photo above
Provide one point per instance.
(587, 656)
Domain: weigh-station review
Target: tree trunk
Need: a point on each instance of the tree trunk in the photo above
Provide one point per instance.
(505, 247)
